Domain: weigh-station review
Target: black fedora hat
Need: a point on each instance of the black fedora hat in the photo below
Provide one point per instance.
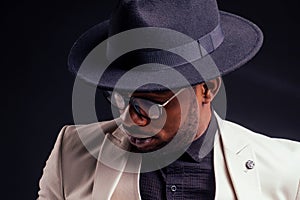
(226, 39)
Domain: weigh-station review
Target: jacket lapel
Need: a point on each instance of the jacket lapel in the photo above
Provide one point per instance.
(237, 152)
(116, 182)
(128, 186)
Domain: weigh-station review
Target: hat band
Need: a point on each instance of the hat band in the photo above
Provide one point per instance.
(189, 52)
(206, 44)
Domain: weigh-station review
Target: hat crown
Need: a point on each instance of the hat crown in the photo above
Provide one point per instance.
(229, 40)
(194, 18)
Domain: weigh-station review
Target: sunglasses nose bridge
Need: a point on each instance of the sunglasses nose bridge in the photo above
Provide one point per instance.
(131, 117)
(137, 117)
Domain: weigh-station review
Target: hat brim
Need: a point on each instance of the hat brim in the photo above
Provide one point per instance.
(242, 40)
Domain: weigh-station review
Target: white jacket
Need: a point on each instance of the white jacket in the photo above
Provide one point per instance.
(73, 173)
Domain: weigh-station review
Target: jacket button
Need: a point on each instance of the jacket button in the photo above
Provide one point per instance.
(173, 188)
(250, 164)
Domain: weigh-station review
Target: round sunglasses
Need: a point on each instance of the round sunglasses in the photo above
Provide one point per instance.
(143, 107)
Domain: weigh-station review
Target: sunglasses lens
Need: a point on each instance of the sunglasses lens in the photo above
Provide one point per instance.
(154, 111)
(118, 100)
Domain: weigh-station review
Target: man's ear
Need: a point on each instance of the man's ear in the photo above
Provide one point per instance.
(210, 89)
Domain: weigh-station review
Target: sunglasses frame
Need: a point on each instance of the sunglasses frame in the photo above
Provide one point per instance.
(130, 101)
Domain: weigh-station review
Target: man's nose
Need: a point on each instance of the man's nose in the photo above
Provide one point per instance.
(131, 118)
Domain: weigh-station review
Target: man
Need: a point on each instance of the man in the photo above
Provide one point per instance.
(167, 142)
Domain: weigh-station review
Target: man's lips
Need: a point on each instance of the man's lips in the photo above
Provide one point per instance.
(140, 142)
(138, 138)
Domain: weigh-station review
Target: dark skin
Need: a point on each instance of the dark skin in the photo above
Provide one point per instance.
(161, 131)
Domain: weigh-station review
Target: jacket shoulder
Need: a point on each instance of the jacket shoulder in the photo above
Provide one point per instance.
(259, 139)
(279, 156)
(276, 159)
(74, 132)
(80, 147)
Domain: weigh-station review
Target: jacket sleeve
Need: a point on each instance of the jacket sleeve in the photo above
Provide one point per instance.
(51, 187)
(298, 192)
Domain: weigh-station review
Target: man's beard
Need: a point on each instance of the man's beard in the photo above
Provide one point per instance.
(189, 128)
(177, 146)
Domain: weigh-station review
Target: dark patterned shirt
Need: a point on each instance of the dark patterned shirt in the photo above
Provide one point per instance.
(189, 177)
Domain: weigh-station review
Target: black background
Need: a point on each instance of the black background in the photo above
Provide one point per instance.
(36, 37)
